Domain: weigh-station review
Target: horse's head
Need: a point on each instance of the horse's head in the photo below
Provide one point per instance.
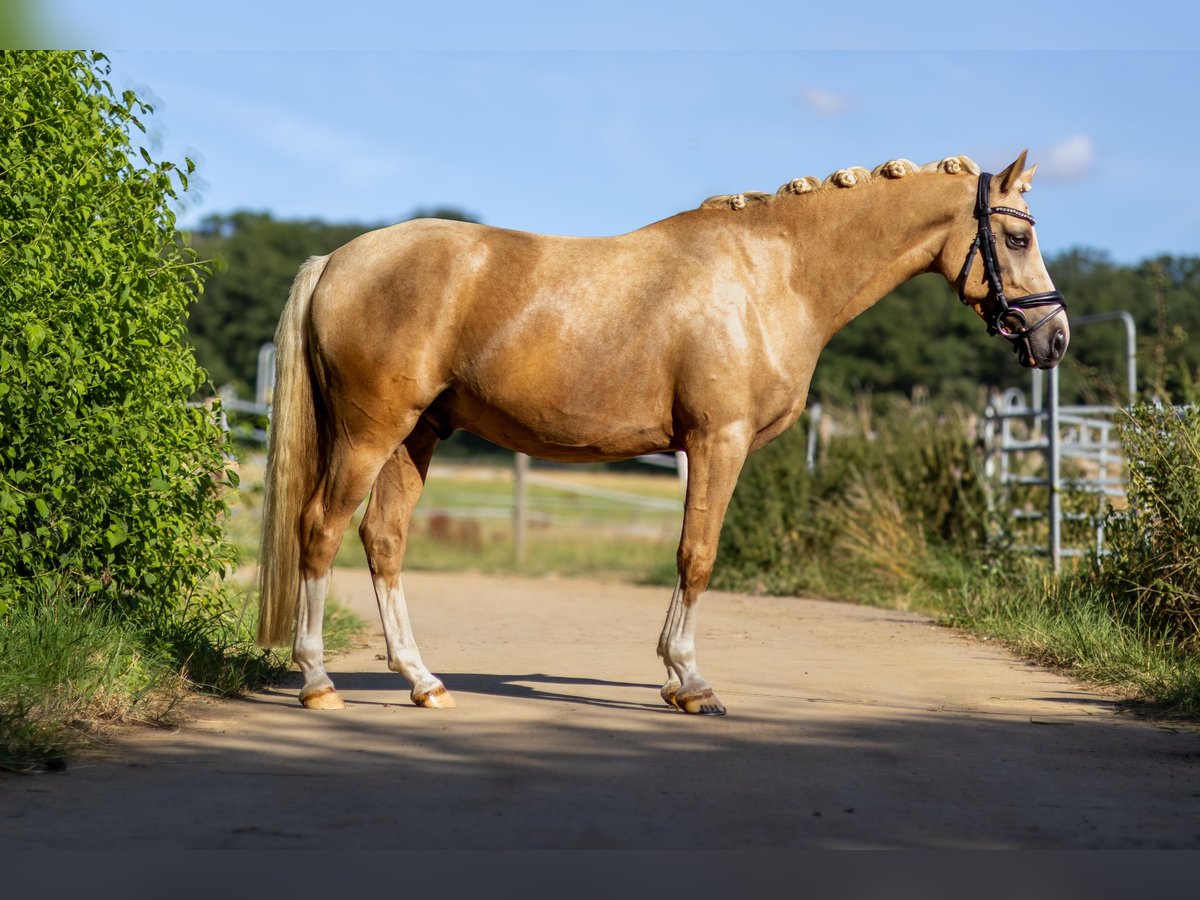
(1008, 285)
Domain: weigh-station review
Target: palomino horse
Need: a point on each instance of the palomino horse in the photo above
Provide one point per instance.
(697, 333)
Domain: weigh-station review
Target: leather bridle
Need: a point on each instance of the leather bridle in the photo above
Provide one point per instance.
(1006, 317)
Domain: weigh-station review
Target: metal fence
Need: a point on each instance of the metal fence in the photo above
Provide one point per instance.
(1028, 441)
(1027, 447)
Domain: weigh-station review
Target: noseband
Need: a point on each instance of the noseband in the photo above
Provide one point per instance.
(1007, 317)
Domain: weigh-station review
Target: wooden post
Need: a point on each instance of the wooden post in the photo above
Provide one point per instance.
(520, 508)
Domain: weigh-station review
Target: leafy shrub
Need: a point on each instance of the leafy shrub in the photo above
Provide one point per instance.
(1153, 570)
(881, 500)
(764, 538)
(109, 483)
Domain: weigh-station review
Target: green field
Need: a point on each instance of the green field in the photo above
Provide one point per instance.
(582, 520)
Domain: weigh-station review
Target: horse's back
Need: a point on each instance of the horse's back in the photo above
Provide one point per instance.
(565, 336)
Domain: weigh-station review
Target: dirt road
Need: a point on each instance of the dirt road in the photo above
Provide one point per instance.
(848, 727)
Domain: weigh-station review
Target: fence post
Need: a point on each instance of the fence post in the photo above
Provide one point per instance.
(264, 382)
(520, 508)
(1054, 460)
(814, 424)
(1130, 344)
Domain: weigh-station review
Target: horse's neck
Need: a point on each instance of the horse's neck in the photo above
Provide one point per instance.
(854, 245)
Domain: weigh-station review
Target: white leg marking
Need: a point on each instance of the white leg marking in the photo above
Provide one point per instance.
(671, 686)
(402, 652)
(672, 621)
(680, 653)
(308, 650)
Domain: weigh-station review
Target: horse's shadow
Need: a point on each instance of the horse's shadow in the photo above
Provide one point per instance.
(531, 686)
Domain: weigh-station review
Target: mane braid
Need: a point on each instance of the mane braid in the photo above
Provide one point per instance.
(844, 179)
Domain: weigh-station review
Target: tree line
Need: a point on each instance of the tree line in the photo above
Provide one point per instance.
(917, 340)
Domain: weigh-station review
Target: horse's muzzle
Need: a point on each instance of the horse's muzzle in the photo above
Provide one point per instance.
(1047, 354)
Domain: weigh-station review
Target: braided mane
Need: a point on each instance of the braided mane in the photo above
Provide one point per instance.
(842, 179)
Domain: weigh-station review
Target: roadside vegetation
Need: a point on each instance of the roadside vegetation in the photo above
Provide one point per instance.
(113, 490)
(908, 519)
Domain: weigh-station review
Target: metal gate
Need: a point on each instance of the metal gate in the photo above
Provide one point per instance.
(1027, 442)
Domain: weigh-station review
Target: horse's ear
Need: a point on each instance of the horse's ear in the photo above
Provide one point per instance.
(1012, 175)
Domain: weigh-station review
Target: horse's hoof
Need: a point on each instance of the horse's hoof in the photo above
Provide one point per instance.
(322, 698)
(702, 704)
(438, 698)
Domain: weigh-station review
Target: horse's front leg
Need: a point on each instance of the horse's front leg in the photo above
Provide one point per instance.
(714, 463)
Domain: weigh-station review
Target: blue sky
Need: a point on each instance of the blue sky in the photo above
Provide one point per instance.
(600, 118)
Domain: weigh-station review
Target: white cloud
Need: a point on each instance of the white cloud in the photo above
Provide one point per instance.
(1069, 159)
(823, 102)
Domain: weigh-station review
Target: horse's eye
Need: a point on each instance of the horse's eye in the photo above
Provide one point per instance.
(1017, 241)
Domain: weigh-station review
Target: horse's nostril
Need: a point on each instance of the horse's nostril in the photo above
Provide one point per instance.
(1059, 344)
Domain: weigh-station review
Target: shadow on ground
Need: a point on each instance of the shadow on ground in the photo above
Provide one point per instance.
(605, 770)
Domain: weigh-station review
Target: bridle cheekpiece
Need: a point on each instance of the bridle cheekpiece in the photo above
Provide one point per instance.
(1006, 317)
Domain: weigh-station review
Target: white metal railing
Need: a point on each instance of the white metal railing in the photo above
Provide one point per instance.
(1014, 431)
(1080, 433)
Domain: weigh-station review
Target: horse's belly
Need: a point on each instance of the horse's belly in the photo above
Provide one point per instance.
(559, 425)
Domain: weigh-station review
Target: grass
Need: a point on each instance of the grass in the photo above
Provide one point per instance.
(903, 520)
(580, 523)
(67, 669)
(70, 670)
(1071, 623)
(1130, 620)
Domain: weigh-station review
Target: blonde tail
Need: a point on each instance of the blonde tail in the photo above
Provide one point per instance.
(293, 461)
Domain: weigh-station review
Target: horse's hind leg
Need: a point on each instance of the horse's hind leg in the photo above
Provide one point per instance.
(384, 533)
(345, 482)
(714, 462)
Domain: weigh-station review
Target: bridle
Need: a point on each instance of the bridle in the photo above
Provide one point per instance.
(1007, 317)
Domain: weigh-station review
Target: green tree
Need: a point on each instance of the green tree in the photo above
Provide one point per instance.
(256, 259)
(109, 483)
(920, 335)
(1162, 295)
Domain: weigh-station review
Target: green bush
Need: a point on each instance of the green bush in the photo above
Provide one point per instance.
(1153, 570)
(883, 501)
(765, 535)
(110, 485)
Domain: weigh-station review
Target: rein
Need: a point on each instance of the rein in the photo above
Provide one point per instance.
(1007, 317)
